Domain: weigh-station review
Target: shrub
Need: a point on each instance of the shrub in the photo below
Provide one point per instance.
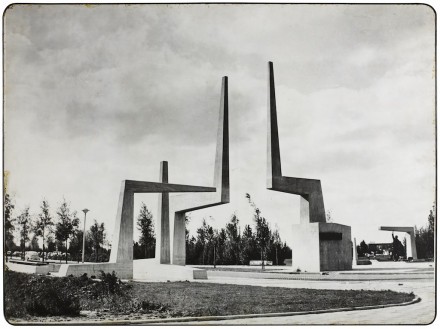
(147, 306)
(49, 300)
(38, 295)
(111, 282)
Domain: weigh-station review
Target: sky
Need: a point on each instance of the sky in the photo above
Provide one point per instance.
(97, 94)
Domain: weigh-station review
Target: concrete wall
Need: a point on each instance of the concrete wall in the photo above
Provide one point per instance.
(123, 270)
(33, 269)
(48, 268)
(305, 247)
(335, 255)
(311, 254)
(150, 270)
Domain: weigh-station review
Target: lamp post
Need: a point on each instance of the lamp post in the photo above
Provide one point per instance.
(85, 211)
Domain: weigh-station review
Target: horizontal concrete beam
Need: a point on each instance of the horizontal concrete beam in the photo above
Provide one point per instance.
(406, 229)
(294, 185)
(155, 187)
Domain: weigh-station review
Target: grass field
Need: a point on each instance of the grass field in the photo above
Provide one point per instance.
(221, 299)
(170, 299)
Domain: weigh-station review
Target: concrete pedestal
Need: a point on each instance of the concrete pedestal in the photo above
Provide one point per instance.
(318, 247)
(151, 270)
(123, 270)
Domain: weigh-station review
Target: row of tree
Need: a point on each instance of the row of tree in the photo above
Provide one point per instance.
(425, 237)
(210, 246)
(62, 235)
(227, 245)
(230, 246)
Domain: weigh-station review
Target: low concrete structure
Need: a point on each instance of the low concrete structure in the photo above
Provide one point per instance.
(123, 270)
(151, 270)
(33, 269)
(411, 250)
(317, 245)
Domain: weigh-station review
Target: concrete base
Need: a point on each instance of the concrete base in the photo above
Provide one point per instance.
(321, 247)
(122, 270)
(363, 262)
(33, 269)
(151, 270)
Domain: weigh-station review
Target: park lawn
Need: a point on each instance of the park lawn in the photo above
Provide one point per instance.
(143, 300)
(200, 299)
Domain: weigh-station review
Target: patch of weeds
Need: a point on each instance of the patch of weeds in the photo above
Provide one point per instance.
(38, 295)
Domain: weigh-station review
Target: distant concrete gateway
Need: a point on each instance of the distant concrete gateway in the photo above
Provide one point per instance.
(411, 250)
(316, 245)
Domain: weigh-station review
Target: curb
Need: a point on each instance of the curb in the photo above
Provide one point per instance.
(220, 317)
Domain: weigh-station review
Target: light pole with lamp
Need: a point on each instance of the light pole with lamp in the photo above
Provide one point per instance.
(85, 211)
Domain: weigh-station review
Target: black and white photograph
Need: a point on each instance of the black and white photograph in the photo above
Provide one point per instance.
(219, 164)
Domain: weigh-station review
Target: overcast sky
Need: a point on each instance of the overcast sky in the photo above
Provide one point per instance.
(98, 94)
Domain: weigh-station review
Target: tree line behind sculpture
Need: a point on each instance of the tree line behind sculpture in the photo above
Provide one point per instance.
(229, 246)
(425, 237)
(232, 247)
(60, 233)
(226, 246)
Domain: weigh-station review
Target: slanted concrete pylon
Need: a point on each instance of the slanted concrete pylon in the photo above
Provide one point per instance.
(411, 250)
(121, 257)
(317, 245)
(312, 202)
(181, 204)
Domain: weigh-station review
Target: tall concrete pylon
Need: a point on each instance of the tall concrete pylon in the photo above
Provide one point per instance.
(311, 202)
(176, 206)
(181, 204)
(316, 245)
(121, 256)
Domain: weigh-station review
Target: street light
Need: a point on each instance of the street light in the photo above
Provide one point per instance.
(85, 211)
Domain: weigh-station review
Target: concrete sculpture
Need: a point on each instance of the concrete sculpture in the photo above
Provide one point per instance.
(317, 245)
(121, 257)
(411, 250)
(183, 203)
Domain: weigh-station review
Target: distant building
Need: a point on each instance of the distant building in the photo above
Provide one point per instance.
(380, 248)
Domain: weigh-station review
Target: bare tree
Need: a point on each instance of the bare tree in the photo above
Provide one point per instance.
(44, 224)
(25, 224)
(97, 236)
(9, 223)
(67, 224)
(263, 231)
